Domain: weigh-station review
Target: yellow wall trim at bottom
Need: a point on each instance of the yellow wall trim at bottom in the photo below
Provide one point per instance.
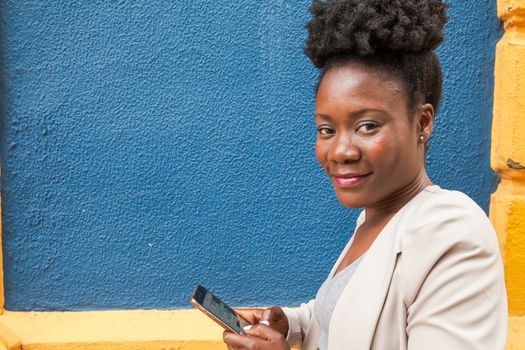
(144, 345)
(134, 329)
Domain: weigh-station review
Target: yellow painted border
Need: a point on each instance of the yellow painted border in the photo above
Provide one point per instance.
(134, 329)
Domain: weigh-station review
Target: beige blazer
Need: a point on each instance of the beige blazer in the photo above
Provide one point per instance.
(432, 279)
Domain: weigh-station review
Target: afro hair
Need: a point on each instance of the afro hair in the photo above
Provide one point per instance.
(363, 28)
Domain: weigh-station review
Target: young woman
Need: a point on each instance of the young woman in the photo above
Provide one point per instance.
(422, 270)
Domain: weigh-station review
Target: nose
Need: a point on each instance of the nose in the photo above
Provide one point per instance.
(343, 150)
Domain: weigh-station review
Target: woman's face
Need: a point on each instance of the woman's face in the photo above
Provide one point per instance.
(366, 142)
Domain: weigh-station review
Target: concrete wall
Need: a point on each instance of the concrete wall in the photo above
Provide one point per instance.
(150, 146)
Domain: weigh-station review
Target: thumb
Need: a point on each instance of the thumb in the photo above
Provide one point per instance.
(271, 315)
(276, 314)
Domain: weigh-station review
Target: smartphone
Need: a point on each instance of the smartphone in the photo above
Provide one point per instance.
(217, 310)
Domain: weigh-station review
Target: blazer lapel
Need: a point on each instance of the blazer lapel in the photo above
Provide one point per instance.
(357, 311)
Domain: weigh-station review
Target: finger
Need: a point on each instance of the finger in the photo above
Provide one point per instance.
(264, 332)
(278, 320)
(251, 315)
(236, 341)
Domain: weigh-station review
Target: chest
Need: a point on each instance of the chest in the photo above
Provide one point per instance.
(353, 324)
(364, 236)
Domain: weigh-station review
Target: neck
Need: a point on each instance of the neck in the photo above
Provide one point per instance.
(397, 200)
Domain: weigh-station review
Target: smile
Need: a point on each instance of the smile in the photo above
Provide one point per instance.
(350, 181)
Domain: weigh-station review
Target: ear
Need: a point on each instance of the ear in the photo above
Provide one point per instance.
(425, 121)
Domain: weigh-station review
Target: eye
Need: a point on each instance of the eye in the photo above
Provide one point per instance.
(367, 127)
(325, 130)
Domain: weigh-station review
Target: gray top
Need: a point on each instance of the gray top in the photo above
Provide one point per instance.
(327, 297)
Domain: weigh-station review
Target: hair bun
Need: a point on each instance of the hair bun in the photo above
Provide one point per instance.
(364, 27)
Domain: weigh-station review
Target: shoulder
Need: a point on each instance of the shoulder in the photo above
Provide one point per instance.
(447, 241)
(446, 217)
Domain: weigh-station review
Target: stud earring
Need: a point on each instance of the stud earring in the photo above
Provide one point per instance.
(421, 138)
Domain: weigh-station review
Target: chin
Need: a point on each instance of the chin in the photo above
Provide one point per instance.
(351, 201)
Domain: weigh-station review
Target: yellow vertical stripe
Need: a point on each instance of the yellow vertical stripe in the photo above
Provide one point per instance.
(507, 206)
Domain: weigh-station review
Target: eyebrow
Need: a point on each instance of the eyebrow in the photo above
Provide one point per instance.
(353, 114)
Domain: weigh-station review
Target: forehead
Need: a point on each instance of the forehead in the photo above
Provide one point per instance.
(357, 86)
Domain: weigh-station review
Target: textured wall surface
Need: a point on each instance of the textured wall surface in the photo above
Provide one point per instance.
(150, 146)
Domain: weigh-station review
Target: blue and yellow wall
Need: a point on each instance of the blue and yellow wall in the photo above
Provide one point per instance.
(150, 146)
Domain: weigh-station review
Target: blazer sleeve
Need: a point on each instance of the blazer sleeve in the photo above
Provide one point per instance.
(454, 286)
(298, 320)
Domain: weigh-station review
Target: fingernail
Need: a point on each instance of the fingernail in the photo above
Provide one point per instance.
(265, 322)
(247, 328)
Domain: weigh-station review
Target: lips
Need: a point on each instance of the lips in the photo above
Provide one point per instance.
(349, 180)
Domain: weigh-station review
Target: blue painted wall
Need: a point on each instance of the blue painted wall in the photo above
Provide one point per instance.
(150, 146)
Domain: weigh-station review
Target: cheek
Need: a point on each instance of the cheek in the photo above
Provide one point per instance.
(320, 152)
(382, 151)
(391, 155)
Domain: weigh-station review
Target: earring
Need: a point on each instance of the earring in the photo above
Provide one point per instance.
(421, 138)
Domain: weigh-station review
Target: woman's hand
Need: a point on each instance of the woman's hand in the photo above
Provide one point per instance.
(259, 337)
(275, 316)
